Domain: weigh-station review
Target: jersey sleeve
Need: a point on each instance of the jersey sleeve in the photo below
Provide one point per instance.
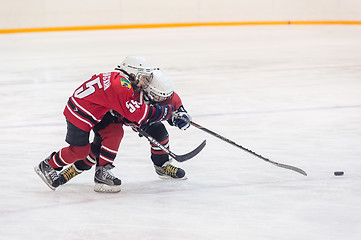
(174, 100)
(121, 97)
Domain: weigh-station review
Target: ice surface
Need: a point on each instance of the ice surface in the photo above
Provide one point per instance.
(289, 93)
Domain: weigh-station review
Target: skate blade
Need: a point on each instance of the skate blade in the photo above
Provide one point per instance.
(103, 188)
(164, 177)
(37, 170)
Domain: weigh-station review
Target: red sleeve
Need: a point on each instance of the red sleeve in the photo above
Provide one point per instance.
(174, 100)
(121, 98)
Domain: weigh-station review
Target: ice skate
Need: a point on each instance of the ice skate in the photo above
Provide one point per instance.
(105, 181)
(168, 171)
(47, 173)
(68, 173)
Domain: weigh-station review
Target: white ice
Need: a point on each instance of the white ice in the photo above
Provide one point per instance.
(289, 93)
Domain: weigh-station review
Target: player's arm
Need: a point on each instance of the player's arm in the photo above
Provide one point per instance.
(142, 114)
(122, 101)
(179, 111)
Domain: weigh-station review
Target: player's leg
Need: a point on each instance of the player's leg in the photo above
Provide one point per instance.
(161, 159)
(79, 148)
(108, 134)
(82, 165)
(104, 180)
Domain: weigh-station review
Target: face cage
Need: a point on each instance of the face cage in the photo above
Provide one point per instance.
(156, 98)
(142, 80)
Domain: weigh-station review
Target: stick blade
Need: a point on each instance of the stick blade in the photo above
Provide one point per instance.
(187, 156)
(293, 168)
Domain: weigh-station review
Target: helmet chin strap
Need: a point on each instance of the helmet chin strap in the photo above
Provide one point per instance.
(149, 99)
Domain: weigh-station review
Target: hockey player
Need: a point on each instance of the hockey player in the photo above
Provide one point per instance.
(160, 91)
(88, 105)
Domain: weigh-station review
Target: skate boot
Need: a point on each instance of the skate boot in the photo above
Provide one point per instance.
(47, 173)
(170, 171)
(68, 174)
(105, 181)
(74, 170)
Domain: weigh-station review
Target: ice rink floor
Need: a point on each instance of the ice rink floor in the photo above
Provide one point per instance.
(289, 93)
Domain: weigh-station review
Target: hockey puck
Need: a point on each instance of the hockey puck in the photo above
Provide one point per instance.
(338, 173)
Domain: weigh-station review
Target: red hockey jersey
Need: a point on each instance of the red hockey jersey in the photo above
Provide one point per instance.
(103, 92)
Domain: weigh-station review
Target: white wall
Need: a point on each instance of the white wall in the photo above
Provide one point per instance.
(55, 13)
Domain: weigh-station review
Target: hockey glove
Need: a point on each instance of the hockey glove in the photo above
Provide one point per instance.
(181, 124)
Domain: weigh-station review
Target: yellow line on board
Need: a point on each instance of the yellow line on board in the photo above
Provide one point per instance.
(167, 25)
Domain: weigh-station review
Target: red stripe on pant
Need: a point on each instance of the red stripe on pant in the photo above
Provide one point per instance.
(69, 155)
(112, 135)
(156, 150)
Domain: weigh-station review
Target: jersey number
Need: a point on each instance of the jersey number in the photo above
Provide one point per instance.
(89, 88)
(132, 105)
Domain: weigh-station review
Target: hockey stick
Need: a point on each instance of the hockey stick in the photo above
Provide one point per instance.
(296, 169)
(178, 158)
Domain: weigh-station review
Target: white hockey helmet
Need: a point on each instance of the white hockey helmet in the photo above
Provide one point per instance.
(160, 86)
(138, 70)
